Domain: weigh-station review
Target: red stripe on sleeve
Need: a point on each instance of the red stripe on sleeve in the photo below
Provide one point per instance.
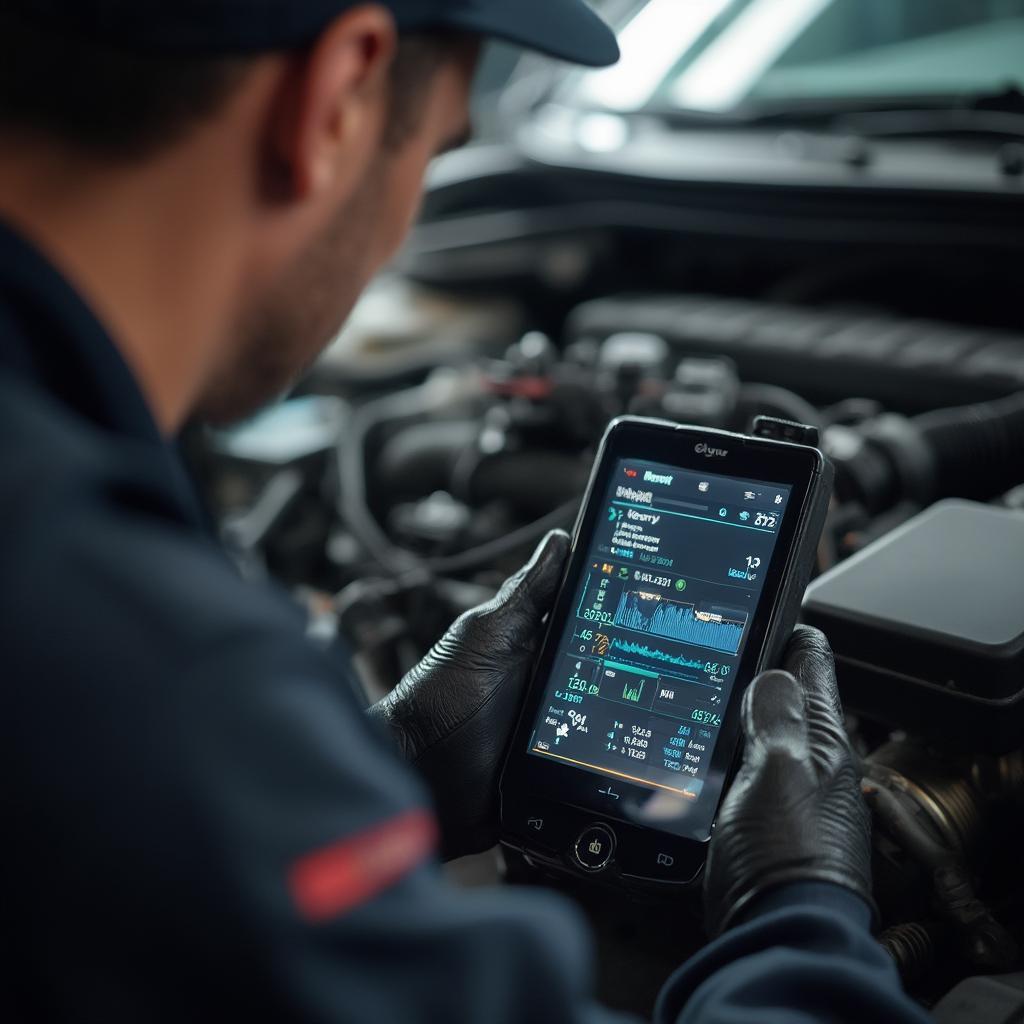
(338, 877)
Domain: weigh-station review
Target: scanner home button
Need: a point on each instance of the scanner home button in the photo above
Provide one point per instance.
(594, 847)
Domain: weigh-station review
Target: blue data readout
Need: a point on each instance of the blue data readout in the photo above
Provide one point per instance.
(648, 658)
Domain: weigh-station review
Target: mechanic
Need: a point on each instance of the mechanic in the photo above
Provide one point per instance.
(201, 823)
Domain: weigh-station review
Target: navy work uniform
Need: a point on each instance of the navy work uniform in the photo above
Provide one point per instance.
(199, 824)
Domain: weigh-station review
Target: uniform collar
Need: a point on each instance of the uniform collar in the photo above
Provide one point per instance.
(50, 337)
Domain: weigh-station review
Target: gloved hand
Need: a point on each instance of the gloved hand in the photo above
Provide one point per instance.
(795, 811)
(453, 714)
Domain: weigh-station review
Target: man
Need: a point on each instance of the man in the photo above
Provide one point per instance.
(200, 823)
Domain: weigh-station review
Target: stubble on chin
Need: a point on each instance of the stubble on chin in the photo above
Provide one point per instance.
(284, 331)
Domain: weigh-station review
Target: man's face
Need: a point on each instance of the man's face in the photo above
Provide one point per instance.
(286, 328)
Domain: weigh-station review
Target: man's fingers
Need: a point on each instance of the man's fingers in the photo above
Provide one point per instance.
(774, 713)
(809, 658)
(808, 655)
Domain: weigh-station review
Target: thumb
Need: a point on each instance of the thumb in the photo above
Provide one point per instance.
(774, 715)
(509, 625)
(531, 591)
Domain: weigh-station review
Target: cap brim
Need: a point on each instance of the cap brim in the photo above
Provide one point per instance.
(567, 29)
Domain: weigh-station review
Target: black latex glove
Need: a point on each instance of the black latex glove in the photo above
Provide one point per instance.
(795, 812)
(453, 714)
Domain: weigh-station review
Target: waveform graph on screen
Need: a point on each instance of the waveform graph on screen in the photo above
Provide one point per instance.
(711, 626)
(633, 692)
(655, 654)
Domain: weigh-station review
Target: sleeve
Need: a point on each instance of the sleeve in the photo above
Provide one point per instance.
(203, 825)
(803, 955)
(324, 853)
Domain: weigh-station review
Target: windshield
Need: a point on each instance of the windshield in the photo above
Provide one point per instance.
(720, 56)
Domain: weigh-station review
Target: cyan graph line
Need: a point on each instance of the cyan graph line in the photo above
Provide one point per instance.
(674, 624)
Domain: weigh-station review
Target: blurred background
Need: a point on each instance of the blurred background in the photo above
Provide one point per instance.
(809, 209)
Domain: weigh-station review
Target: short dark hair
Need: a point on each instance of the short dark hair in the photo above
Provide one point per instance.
(110, 102)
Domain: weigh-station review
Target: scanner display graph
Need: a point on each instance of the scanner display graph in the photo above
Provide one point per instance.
(650, 613)
(633, 693)
(655, 654)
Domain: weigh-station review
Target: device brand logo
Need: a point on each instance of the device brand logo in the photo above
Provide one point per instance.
(709, 452)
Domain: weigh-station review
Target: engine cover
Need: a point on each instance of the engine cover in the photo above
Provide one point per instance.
(928, 626)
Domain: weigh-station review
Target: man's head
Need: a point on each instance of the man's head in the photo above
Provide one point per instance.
(291, 173)
(364, 116)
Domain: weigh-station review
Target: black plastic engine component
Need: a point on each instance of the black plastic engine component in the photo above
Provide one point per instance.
(928, 626)
(994, 1000)
(825, 354)
(970, 451)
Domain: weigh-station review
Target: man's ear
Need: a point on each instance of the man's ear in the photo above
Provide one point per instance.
(333, 105)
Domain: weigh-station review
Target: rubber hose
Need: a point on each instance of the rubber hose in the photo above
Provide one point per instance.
(978, 449)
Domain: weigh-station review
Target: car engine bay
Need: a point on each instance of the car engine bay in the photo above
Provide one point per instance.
(454, 422)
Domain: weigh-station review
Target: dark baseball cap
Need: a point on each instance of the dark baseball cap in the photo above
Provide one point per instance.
(568, 29)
